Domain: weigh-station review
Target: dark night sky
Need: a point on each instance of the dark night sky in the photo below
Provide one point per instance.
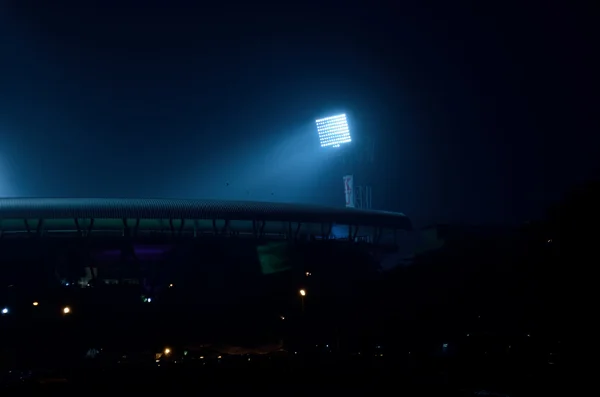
(481, 114)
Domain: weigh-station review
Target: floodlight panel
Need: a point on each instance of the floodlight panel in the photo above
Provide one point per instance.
(333, 130)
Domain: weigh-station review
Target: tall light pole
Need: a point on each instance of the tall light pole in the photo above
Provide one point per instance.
(334, 132)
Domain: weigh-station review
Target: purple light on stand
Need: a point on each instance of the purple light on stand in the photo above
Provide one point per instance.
(141, 251)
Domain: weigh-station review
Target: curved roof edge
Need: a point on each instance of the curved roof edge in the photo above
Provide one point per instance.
(57, 208)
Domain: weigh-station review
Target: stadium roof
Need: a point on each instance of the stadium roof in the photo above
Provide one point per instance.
(121, 208)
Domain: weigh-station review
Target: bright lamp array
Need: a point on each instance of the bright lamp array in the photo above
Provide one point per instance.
(333, 130)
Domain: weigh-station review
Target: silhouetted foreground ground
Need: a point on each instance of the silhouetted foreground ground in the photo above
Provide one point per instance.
(307, 375)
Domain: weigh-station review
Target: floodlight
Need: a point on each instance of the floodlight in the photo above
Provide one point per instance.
(333, 130)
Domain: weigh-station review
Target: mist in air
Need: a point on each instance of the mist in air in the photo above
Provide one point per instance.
(165, 102)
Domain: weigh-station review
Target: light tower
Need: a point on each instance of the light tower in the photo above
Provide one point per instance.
(334, 133)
